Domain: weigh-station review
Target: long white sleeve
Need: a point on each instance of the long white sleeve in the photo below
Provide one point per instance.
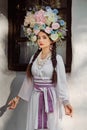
(61, 88)
(26, 88)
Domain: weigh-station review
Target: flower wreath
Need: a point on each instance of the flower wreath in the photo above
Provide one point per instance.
(46, 19)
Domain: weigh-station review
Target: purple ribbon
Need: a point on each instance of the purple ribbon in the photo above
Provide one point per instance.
(42, 114)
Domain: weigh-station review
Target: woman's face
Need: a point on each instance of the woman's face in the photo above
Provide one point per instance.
(43, 40)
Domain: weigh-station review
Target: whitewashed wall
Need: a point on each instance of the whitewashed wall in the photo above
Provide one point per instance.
(77, 81)
(10, 81)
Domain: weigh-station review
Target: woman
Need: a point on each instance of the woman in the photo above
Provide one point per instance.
(44, 87)
(48, 77)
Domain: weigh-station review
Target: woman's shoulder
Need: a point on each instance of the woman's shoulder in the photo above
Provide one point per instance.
(59, 57)
(60, 61)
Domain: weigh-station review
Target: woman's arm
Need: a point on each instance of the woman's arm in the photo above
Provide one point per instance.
(62, 89)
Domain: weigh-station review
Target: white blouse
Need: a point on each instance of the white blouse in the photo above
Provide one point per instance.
(44, 73)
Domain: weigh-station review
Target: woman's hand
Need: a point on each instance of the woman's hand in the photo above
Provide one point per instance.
(13, 103)
(68, 110)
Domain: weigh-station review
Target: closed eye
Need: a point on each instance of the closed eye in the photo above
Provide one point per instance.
(43, 37)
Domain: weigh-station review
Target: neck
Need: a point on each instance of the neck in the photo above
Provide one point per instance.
(45, 52)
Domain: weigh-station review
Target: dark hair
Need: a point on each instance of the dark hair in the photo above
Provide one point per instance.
(54, 63)
(28, 71)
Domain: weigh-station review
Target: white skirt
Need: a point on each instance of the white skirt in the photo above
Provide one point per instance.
(53, 120)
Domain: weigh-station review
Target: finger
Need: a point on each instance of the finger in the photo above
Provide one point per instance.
(68, 111)
(69, 114)
(12, 107)
(70, 108)
(10, 102)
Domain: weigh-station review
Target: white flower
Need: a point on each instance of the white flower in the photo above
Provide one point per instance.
(29, 20)
(29, 31)
(34, 38)
(54, 37)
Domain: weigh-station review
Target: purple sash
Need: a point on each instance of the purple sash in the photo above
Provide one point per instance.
(45, 104)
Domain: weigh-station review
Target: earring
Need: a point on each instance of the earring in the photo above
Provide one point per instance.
(39, 48)
(51, 46)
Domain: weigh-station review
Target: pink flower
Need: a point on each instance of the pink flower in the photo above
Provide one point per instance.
(55, 26)
(36, 31)
(40, 17)
(48, 30)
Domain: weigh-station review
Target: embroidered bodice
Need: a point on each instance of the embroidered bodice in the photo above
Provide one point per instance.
(43, 71)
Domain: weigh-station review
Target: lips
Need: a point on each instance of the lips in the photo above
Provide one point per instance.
(41, 44)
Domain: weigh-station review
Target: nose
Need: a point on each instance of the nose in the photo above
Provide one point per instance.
(41, 40)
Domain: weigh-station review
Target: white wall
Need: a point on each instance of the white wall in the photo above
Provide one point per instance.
(77, 81)
(10, 82)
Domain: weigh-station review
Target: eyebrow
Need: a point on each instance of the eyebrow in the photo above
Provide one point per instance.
(43, 35)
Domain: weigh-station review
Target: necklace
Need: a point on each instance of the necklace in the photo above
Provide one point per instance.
(43, 56)
(41, 61)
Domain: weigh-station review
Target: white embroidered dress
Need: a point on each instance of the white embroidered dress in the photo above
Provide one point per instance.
(53, 97)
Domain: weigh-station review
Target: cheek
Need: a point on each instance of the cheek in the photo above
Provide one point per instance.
(48, 42)
(37, 42)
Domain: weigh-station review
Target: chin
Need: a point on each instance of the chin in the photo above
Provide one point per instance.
(42, 47)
